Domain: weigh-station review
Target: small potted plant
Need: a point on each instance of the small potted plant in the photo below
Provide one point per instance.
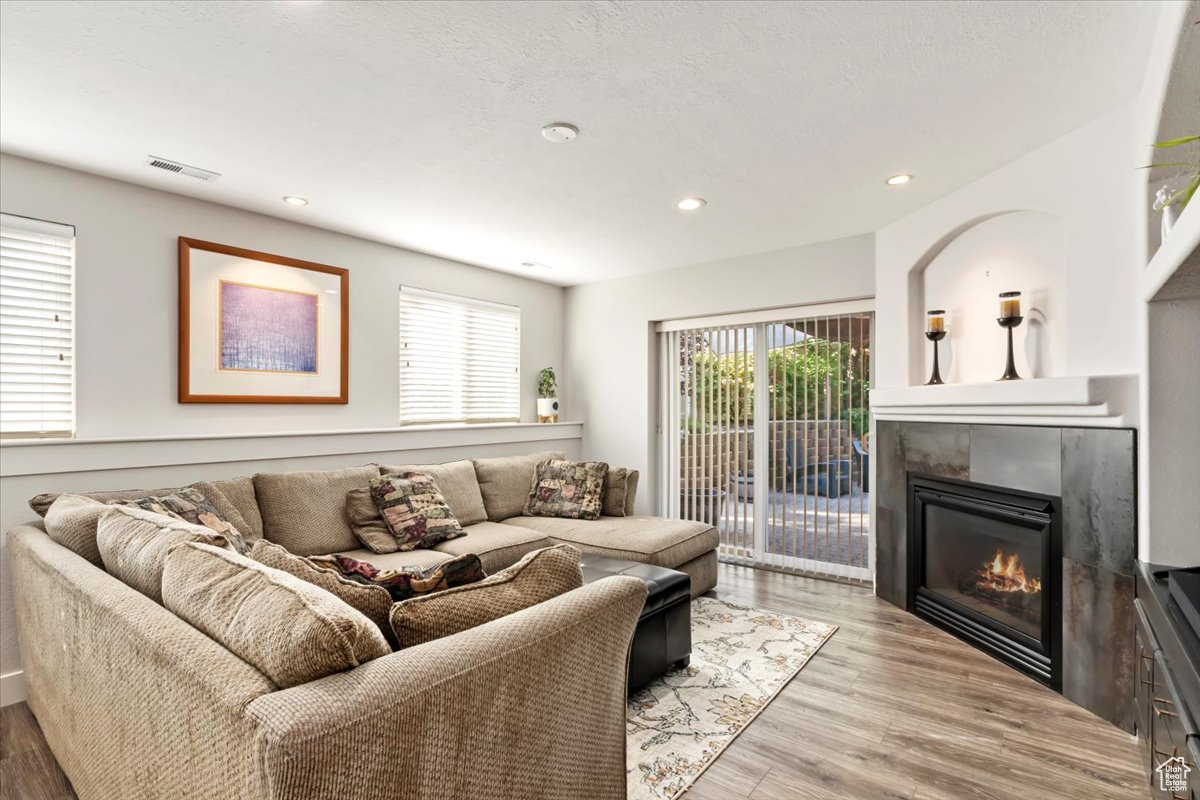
(547, 404)
(1172, 198)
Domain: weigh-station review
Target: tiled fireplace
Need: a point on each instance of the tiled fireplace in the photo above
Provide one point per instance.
(1019, 540)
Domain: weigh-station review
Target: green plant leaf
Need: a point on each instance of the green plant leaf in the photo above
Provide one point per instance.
(1182, 196)
(1170, 164)
(1179, 141)
(1191, 190)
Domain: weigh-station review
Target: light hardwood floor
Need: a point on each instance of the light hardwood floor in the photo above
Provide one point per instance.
(890, 708)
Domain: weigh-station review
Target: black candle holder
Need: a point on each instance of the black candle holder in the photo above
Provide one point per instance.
(1010, 369)
(935, 337)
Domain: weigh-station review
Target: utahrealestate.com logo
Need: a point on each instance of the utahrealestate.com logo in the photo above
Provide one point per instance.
(1172, 774)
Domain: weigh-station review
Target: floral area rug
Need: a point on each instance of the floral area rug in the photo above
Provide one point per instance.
(741, 658)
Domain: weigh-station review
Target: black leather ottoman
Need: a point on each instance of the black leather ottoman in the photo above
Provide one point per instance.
(663, 639)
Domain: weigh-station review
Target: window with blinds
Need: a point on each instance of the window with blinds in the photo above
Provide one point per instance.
(37, 365)
(460, 359)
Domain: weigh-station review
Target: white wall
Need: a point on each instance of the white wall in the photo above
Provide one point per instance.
(1021, 251)
(611, 350)
(1169, 341)
(126, 290)
(1089, 179)
(126, 345)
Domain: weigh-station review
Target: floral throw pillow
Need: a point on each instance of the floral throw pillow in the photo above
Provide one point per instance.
(190, 505)
(570, 489)
(414, 510)
(403, 584)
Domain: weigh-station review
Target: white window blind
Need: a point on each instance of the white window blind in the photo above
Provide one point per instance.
(37, 365)
(460, 359)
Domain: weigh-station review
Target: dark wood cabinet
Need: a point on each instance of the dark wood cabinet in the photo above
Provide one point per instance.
(1167, 687)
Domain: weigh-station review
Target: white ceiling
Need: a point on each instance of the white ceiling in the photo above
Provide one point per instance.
(418, 124)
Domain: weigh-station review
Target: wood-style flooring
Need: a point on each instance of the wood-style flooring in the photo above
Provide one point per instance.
(890, 708)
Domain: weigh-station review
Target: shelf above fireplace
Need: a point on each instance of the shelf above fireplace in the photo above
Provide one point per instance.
(1107, 401)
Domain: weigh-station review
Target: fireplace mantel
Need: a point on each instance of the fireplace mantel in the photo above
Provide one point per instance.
(1108, 401)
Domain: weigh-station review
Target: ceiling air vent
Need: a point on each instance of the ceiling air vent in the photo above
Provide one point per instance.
(182, 169)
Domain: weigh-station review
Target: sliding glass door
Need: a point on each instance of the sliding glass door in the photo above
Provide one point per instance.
(765, 434)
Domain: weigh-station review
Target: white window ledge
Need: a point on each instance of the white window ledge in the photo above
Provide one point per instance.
(49, 456)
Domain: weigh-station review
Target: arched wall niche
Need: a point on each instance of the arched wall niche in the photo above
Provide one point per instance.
(1022, 250)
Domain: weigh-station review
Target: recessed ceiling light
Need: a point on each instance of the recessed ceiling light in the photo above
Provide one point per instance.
(559, 132)
(691, 203)
(535, 265)
(898, 180)
(293, 200)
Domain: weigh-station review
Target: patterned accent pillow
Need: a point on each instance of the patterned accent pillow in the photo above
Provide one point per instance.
(570, 489)
(403, 584)
(414, 510)
(191, 506)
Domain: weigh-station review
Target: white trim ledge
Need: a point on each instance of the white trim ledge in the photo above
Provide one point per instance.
(53, 456)
(1106, 401)
(12, 688)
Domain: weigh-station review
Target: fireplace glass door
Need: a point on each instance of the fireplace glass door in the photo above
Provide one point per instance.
(991, 567)
(984, 565)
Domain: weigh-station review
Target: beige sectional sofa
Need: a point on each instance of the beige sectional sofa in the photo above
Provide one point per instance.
(137, 703)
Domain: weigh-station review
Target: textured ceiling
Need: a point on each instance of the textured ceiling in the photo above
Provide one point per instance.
(418, 124)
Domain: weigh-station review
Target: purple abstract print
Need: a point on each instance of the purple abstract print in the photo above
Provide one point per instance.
(267, 330)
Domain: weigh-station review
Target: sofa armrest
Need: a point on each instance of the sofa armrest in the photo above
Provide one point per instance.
(528, 706)
(133, 701)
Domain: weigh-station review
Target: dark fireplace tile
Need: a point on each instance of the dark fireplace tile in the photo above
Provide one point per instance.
(887, 450)
(891, 556)
(1097, 638)
(1098, 496)
(1017, 457)
(939, 449)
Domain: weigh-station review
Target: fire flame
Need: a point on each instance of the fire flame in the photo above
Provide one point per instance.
(1004, 573)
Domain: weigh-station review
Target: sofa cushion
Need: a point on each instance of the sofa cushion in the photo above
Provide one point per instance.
(134, 541)
(537, 577)
(41, 503)
(401, 584)
(457, 482)
(620, 489)
(234, 499)
(631, 487)
(306, 511)
(568, 489)
(373, 602)
(505, 482)
(191, 505)
(292, 631)
(651, 540)
(498, 546)
(414, 510)
(72, 519)
(367, 523)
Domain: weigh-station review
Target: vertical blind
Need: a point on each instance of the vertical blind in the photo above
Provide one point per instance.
(37, 366)
(460, 359)
(765, 428)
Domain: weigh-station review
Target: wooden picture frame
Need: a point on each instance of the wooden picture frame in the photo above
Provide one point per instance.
(253, 331)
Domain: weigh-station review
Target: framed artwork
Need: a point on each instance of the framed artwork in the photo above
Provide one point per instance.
(261, 328)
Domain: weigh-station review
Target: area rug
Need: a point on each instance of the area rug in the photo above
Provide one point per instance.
(741, 658)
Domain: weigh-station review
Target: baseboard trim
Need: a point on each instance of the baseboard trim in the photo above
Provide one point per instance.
(12, 688)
